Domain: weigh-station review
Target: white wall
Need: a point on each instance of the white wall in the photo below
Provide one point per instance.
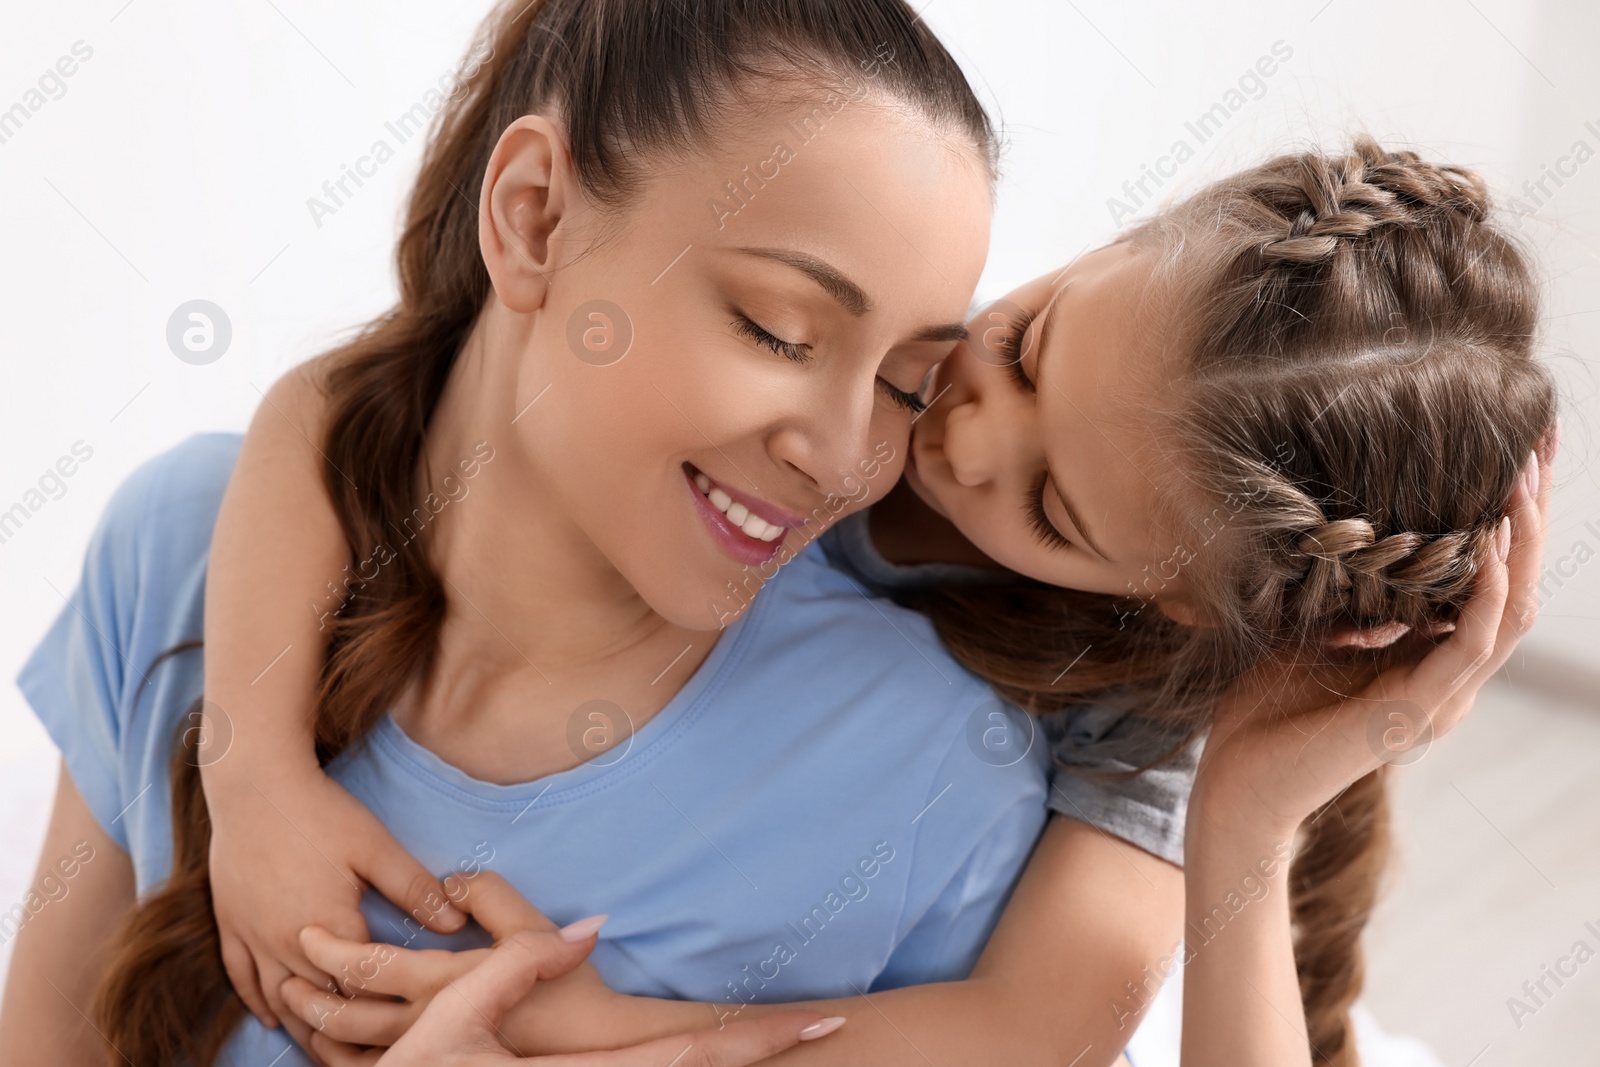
(178, 162)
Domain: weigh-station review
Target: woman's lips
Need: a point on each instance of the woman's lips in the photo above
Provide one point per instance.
(748, 529)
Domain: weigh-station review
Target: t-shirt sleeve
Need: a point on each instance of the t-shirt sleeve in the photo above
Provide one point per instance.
(1147, 809)
(76, 679)
(93, 679)
(986, 812)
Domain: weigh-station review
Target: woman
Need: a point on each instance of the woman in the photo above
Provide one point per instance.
(1027, 1017)
(568, 215)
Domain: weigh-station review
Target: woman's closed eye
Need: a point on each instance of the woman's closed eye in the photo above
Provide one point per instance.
(1039, 521)
(801, 353)
(761, 336)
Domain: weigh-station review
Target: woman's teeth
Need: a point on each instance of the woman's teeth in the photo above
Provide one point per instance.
(753, 525)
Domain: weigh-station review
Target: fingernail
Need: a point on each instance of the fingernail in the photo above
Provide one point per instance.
(822, 1028)
(1530, 476)
(451, 917)
(583, 928)
(1502, 539)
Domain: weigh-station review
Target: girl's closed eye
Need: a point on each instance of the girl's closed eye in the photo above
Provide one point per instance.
(1009, 346)
(1039, 521)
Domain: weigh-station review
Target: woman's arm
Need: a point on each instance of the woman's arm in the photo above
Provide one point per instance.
(86, 883)
(276, 577)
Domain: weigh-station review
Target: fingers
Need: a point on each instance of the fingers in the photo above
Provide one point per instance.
(498, 907)
(355, 1020)
(1454, 663)
(241, 969)
(734, 1045)
(338, 1054)
(481, 997)
(1529, 513)
(397, 875)
(1503, 607)
(368, 967)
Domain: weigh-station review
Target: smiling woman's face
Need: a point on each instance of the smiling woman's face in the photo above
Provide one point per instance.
(1036, 445)
(784, 297)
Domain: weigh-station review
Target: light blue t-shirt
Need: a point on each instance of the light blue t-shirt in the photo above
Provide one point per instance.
(827, 807)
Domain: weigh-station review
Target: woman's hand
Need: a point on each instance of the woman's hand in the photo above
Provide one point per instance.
(298, 852)
(572, 1008)
(572, 1012)
(461, 1028)
(1273, 768)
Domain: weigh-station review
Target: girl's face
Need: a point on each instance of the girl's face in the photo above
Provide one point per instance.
(735, 363)
(1033, 444)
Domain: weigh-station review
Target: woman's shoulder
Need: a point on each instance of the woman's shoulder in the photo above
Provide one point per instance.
(100, 679)
(194, 471)
(857, 621)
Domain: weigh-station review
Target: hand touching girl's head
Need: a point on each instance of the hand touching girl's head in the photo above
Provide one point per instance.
(1289, 411)
(1284, 417)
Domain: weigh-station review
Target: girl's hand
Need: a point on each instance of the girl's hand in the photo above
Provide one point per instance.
(573, 1011)
(298, 851)
(462, 1027)
(1273, 768)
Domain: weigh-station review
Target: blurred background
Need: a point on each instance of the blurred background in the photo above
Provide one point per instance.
(178, 160)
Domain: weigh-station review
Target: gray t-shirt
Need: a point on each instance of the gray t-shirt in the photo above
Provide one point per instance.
(1146, 809)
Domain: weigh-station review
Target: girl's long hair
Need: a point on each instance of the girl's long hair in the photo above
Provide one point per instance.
(625, 79)
(1360, 396)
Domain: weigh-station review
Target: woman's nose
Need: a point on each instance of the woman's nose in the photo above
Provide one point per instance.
(830, 452)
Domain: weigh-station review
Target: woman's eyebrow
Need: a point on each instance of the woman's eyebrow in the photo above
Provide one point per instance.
(849, 295)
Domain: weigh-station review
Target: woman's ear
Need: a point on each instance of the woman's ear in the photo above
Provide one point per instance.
(527, 206)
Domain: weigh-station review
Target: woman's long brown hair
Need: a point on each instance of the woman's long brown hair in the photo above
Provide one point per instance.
(1360, 396)
(626, 78)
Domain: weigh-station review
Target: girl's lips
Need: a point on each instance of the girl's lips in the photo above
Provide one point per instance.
(734, 541)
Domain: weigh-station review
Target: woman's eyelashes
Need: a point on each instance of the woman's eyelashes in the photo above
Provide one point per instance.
(1039, 521)
(800, 353)
(788, 349)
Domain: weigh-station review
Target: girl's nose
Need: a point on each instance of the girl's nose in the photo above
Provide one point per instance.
(970, 443)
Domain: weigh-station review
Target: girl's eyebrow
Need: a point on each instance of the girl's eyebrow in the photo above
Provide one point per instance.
(1047, 322)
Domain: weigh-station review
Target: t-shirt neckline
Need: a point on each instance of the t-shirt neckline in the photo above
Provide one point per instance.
(605, 770)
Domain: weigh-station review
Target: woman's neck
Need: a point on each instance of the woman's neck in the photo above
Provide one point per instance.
(905, 530)
(538, 622)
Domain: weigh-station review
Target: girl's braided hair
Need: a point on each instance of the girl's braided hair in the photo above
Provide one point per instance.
(1358, 395)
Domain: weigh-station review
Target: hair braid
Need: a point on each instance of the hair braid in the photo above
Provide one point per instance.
(1358, 376)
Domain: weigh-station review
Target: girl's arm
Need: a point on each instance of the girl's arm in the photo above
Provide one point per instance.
(1266, 770)
(1091, 915)
(289, 846)
(86, 881)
